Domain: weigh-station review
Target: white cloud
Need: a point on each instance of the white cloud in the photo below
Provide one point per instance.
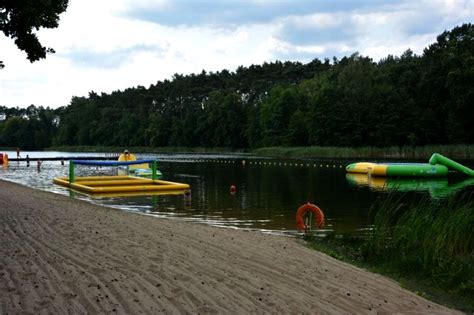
(137, 52)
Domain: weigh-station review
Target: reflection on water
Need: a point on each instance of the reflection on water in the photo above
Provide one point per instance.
(267, 192)
(437, 187)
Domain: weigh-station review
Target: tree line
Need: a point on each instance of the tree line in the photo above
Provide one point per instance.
(353, 101)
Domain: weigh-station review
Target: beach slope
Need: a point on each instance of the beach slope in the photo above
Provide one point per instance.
(62, 255)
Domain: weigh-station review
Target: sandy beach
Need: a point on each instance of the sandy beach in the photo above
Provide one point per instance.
(61, 255)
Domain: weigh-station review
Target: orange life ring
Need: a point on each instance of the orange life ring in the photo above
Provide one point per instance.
(318, 213)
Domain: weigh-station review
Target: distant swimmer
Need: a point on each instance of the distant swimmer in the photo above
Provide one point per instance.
(187, 197)
(18, 153)
(38, 165)
(27, 160)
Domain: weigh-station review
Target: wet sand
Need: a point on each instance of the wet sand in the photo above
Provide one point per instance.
(62, 255)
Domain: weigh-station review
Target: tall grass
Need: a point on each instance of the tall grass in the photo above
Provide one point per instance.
(120, 149)
(429, 239)
(428, 245)
(422, 152)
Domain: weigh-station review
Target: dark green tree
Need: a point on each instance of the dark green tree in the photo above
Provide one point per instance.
(223, 121)
(354, 101)
(276, 112)
(447, 79)
(20, 18)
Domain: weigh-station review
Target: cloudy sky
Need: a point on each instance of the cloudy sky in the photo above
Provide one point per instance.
(107, 45)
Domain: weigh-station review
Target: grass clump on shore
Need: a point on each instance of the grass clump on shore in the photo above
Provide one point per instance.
(427, 245)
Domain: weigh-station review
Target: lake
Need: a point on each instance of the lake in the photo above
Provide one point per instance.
(268, 190)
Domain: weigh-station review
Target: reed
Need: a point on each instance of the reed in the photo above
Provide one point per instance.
(421, 152)
(157, 150)
(426, 244)
(431, 239)
(464, 152)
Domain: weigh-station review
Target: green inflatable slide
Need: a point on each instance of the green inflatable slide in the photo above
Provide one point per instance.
(437, 158)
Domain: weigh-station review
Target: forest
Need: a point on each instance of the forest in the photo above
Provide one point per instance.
(406, 100)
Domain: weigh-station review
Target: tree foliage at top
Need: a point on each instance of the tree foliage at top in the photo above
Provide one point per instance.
(353, 101)
(20, 18)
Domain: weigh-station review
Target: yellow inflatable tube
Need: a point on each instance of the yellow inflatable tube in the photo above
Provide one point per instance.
(368, 168)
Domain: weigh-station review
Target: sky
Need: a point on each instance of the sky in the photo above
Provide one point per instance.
(110, 45)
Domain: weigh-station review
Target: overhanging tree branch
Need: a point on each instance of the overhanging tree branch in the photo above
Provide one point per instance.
(20, 19)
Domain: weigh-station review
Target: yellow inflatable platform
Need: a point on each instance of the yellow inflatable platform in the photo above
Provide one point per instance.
(118, 184)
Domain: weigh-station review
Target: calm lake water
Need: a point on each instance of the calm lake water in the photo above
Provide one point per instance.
(269, 191)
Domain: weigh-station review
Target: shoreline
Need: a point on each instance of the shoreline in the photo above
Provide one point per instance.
(63, 255)
(453, 151)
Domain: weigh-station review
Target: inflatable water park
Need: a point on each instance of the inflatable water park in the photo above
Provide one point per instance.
(139, 169)
(438, 166)
(117, 183)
